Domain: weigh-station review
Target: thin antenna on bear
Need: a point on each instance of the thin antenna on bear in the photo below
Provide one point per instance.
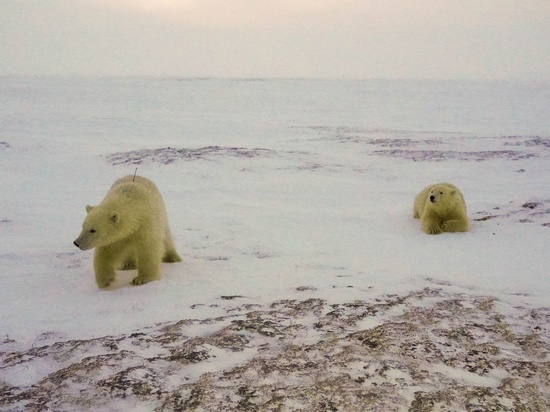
(134, 179)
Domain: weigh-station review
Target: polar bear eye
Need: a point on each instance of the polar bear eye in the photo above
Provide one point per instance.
(92, 230)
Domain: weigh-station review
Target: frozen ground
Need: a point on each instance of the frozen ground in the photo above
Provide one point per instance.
(306, 283)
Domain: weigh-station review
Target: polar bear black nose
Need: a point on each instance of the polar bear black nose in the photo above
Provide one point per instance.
(432, 198)
(76, 244)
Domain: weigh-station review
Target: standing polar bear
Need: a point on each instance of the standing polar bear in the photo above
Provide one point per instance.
(129, 230)
(441, 208)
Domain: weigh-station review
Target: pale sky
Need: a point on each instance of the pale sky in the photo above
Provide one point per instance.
(433, 39)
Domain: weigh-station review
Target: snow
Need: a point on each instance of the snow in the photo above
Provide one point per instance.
(306, 188)
(316, 209)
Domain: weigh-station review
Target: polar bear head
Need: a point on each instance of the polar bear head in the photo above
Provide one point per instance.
(440, 194)
(445, 197)
(101, 227)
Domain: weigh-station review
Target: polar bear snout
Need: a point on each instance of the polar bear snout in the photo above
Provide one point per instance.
(80, 244)
(432, 198)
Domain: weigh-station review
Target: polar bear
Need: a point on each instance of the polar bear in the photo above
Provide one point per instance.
(441, 208)
(129, 230)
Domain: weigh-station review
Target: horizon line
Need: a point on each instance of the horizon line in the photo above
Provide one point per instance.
(271, 78)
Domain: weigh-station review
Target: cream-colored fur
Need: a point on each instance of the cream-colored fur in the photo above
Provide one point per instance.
(441, 208)
(129, 230)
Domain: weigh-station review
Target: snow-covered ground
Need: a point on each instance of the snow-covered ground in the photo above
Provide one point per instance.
(277, 191)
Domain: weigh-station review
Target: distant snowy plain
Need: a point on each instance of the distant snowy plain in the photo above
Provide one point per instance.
(275, 190)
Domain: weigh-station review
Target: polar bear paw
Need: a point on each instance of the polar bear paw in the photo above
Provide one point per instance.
(434, 230)
(139, 280)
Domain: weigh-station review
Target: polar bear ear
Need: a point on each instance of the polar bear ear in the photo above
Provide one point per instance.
(114, 217)
(453, 192)
(88, 208)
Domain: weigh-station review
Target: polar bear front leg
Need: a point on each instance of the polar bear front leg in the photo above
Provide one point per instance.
(104, 267)
(430, 226)
(148, 266)
(455, 226)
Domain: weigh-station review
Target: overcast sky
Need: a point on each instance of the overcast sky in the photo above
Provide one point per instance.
(486, 39)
